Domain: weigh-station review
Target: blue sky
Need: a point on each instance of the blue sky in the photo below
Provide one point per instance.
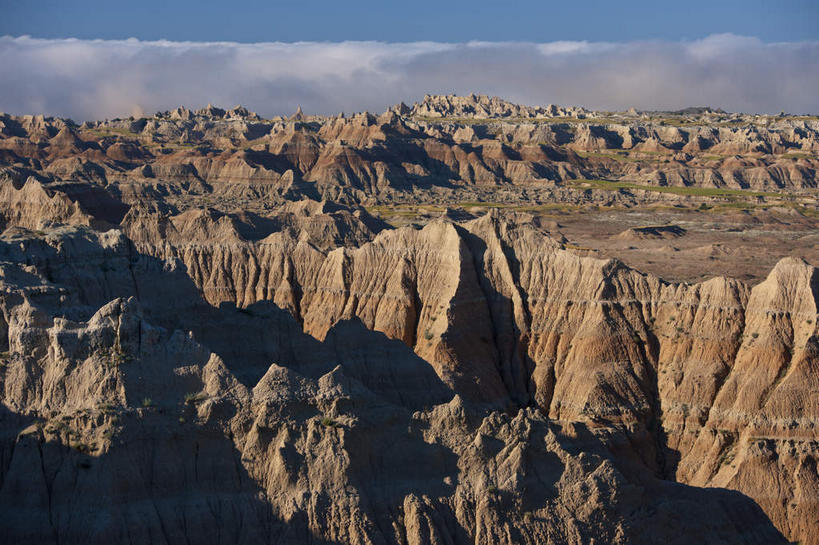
(88, 59)
(391, 21)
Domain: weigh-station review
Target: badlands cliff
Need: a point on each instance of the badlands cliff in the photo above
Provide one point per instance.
(191, 351)
(448, 147)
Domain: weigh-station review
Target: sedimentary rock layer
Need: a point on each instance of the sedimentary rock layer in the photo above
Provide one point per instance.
(446, 354)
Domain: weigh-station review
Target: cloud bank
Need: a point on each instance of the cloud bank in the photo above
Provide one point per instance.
(92, 79)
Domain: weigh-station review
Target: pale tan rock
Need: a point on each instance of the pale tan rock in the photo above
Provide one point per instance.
(298, 372)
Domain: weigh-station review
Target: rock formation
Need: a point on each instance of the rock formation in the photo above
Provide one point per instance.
(458, 145)
(191, 352)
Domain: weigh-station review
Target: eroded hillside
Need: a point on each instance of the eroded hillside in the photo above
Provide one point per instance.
(192, 351)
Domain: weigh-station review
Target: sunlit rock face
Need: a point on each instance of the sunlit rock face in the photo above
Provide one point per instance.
(192, 350)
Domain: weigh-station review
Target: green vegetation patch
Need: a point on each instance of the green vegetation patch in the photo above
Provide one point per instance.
(193, 398)
(328, 422)
(609, 185)
(622, 156)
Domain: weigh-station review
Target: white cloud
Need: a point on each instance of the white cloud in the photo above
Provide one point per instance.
(89, 79)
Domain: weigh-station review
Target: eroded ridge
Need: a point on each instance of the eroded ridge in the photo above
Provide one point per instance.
(192, 352)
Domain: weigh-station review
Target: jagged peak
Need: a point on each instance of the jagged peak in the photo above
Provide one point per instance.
(299, 115)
